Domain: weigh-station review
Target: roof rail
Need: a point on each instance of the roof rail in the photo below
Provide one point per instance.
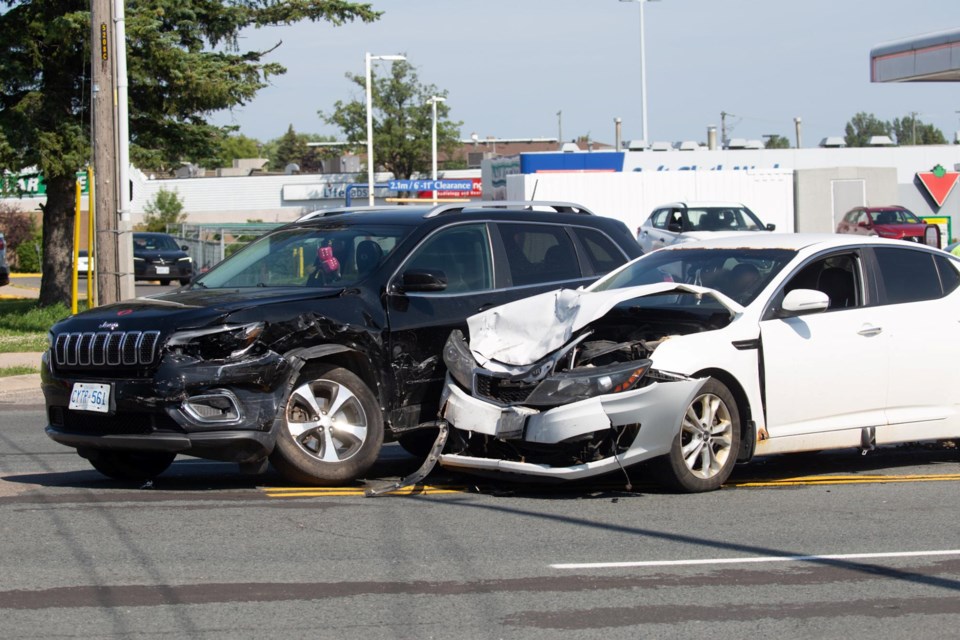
(335, 211)
(558, 207)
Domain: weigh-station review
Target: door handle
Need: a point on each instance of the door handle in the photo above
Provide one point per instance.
(870, 331)
(486, 306)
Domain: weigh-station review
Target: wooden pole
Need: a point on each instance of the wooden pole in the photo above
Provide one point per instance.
(104, 150)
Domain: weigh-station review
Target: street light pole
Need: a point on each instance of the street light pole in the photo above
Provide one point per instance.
(643, 72)
(368, 60)
(433, 103)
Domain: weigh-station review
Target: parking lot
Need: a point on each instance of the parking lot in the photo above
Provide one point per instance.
(809, 545)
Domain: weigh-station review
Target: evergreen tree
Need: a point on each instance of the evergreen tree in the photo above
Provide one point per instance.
(184, 63)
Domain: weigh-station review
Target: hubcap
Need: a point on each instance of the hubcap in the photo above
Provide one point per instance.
(706, 436)
(326, 420)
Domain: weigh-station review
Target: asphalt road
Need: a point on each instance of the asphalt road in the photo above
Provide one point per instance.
(205, 552)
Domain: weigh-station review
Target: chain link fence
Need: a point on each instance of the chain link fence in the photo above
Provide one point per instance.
(208, 244)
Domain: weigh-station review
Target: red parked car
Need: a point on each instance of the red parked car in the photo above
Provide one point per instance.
(889, 222)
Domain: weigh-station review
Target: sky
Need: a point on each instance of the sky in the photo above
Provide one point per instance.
(509, 66)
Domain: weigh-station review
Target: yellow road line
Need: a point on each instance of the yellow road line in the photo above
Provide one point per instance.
(323, 492)
(850, 479)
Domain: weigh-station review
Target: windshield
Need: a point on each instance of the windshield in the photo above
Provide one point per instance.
(737, 272)
(723, 219)
(896, 216)
(336, 255)
(146, 242)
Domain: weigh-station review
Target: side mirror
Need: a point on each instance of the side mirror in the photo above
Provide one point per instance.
(771, 226)
(422, 280)
(864, 224)
(184, 247)
(800, 302)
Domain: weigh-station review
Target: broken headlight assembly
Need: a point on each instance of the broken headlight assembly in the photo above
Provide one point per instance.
(588, 382)
(459, 360)
(222, 342)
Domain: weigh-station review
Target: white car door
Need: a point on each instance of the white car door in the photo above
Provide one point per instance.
(922, 307)
(655, 232)
(826, 373)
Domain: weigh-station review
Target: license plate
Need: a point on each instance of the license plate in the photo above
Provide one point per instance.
(162, 271)
(90, 396)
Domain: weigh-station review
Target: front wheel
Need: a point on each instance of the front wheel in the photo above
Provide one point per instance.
(703, 453)
(333, 429)
(131, 465)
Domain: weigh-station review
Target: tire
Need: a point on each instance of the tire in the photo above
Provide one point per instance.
(131, 465)
(311, 448)
(184, 281)
(164, 281)
(704, 452)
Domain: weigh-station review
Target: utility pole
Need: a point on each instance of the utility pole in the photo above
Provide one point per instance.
(104, 150)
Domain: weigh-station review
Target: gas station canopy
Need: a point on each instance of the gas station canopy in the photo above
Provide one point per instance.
(934, 57)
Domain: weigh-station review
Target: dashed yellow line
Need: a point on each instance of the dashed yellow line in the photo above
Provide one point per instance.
(851, 479)
(325, 492)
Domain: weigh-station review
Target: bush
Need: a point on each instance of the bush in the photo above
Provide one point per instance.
(165, 208)
(29, 254)
(17, 227)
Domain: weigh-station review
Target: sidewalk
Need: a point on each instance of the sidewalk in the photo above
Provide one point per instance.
(23, 389)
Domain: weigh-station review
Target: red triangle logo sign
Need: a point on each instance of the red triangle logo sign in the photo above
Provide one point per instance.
(939, 183)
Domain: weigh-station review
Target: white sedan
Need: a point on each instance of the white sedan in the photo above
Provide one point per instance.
(704, 354)
(678, 222)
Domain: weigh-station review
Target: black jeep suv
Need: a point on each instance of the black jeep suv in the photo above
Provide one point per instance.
(314, 343)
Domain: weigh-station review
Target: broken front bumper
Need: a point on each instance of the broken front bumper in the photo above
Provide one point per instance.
(658, 408)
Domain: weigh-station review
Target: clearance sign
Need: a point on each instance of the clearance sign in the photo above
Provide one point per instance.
(938, 182)
(468, 188)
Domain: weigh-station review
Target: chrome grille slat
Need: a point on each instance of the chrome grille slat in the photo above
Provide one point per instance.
(99, 348)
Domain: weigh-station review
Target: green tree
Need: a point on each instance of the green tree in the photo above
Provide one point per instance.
(910, 131)
(235, 147)
(402, 120)
(862, 127)
(291, 149)
(777, 142)
(163, 209)
(184, 62)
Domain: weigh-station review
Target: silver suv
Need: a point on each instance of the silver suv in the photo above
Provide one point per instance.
(4, 268)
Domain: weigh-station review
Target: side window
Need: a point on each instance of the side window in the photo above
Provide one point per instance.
(604, 256)
(539, 253)
(462, 253)
(949, 278)
(908, 275)
(838, 276)
(659, 220)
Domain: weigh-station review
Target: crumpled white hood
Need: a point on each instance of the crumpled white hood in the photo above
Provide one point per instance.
(522, 332)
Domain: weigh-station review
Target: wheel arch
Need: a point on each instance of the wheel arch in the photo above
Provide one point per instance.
(342, 356)
(748, 435)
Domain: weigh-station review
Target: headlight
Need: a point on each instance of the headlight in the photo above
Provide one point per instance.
(185, 259)
(571, 386)
(459, 360)
(217, 343)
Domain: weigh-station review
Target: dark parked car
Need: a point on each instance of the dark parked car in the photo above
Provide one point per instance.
(889, 222)
(4, 268)
(312, 344)
(156, 256)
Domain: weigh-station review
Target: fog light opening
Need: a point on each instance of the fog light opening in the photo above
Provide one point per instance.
(217, 407)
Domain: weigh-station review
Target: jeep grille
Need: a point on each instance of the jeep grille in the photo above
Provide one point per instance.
(113, 348)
